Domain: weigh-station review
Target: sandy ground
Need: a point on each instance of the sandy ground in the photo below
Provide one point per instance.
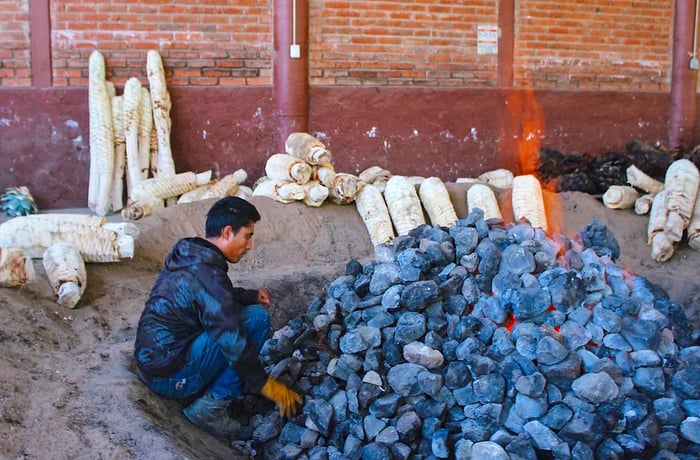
(68, 390)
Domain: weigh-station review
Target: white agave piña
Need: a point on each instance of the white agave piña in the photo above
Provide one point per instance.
(101, 137)
(169, 187)
(90, 234)
(620, 197)
(642, 205)
(662, 247)
(65, 271)
(680, 191)
(279, 190)
(436, 201)
(325, 174)
(308, 148)
(528, 202)
(481, 196)
(161, 103)
(403, 204)
(194, 194)
(119, 153)
(288, 167)
(315, 193)
(694, 226)
(375, 214)
(344, 189)
(16, 268)
(374, 174)
(226, 186)
(639, 179)
(499, 178)
(244, 192)
(132, 117)
(657, 217)
(146, 206)
(146, 133)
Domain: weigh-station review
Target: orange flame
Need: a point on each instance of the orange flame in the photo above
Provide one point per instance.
(523, 138)
(510, 322)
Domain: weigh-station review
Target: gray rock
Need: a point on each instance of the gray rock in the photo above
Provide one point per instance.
(400, 451)
(528, 407)
(531, 385)
(360, 339)
(557, 416)
(417, 295)
(690, 429)
(385, 275)
(542, 437)
(489, 388)
(375, 450)
(391, 297)
(372, 426)
(266, 431)
(549, 351)
(650, 380)
(403, 378)
(488, 450)
(607, 319)
(439, 444)
(408, 425)
(574, 335)
(430, 383)
(419, 353)
(410, 327)
(321, 414)
(388, 436)
(595, 388)
(385, 407)
(517, 259)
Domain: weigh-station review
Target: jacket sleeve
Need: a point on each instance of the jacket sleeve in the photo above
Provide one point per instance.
(245, 296)
(221, 317)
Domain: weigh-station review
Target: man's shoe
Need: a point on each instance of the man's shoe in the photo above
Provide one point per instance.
(212, 415)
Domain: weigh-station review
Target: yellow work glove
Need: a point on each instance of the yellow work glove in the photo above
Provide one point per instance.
(285, 398)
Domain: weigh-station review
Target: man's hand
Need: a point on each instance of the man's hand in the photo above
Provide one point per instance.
(264, 297)
(285, 398)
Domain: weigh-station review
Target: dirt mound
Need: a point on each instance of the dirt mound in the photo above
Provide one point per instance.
(68, 388)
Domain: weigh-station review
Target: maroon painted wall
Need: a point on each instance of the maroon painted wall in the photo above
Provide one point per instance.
(444, 132)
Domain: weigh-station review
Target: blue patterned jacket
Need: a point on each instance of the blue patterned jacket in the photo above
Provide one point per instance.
(193, 294)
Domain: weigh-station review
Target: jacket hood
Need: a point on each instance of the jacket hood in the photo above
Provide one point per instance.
(194, 251)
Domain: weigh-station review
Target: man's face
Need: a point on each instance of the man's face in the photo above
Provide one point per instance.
(236, 245)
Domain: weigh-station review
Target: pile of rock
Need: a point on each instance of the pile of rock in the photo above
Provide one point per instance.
(487, 341)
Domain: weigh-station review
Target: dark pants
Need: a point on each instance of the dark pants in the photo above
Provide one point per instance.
(206, 366)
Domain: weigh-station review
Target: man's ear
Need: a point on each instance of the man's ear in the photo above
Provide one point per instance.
(226, 232)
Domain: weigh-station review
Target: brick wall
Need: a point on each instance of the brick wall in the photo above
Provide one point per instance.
(209, 42)
(394, 42)
(15, 68)
(594, 44)
(567, 44)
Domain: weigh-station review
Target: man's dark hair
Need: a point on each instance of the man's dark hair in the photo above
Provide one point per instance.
(232, 211)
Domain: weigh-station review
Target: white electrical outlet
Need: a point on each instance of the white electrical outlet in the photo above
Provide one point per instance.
(294, 51)
(694, 63)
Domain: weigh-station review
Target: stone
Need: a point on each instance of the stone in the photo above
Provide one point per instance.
(488, 450)
(419, 353)
(690, 429)
(403, 378)
(595, 387)
(409, 327)
(550, 351)
(542, 437)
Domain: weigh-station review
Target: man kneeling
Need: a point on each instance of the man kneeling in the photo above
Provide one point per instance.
(198, 333)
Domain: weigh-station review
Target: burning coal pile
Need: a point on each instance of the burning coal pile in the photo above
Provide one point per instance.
(485, 340)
